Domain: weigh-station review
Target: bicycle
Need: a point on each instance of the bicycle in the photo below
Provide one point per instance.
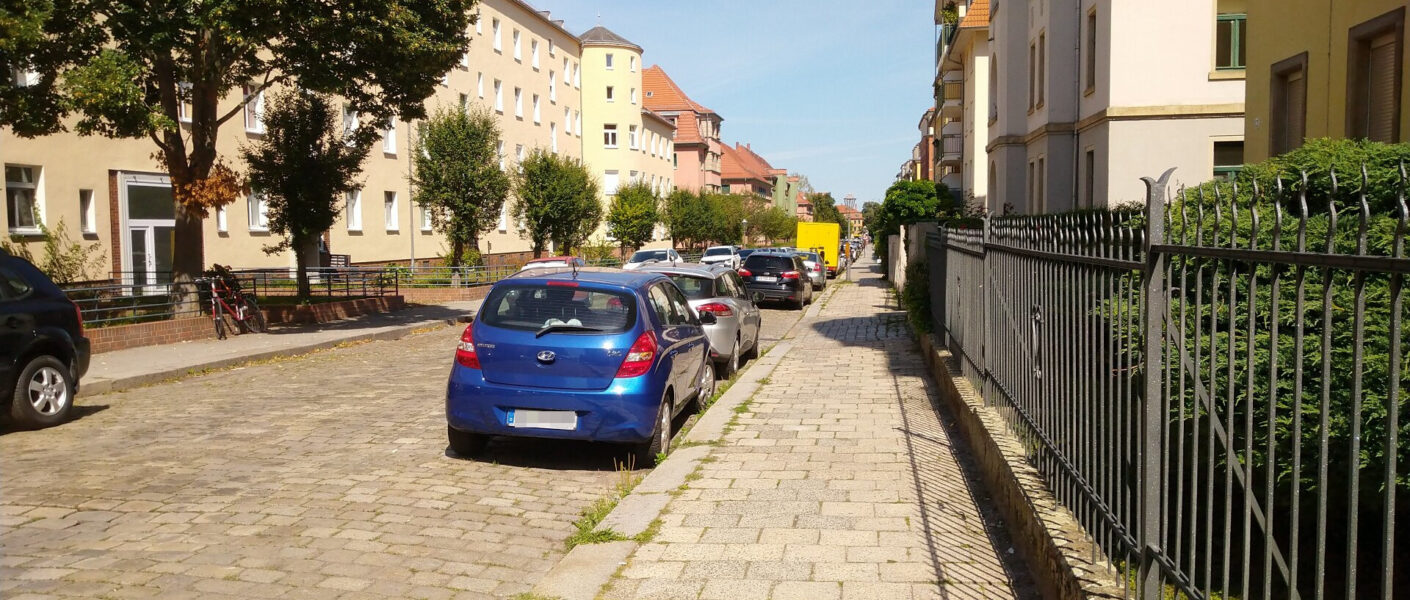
(229, 303)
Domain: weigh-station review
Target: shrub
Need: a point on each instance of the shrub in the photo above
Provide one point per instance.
(915, 297)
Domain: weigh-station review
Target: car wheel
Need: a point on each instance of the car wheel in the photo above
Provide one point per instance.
(43, 394)
(730, 366)
(706, 384)
(466, 444)
(660, 441)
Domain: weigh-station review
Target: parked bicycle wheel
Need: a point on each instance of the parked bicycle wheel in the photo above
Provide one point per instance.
(254, 317)
(223, 325)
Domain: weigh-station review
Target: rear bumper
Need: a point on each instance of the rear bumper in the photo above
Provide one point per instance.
(624, 412)
(722, 335)
(774, 292)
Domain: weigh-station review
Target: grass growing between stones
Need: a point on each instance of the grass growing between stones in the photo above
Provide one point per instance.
(585, 527)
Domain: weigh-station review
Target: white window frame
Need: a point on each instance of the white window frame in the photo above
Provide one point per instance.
(183, 102)
(389, 210)
(257, 211)
(479, 24)
(353, 210)
(389, 137)
(519, 103)
(632, 137)
(253, 109)
(499, 151)
(631, 61)
(578, 118)
(611, 94)
(577, 76)
(553, 137)
(568, 120)
(499, 96)
(495, 40)
(608, 61)
(552, 87)
(534, 54)
(537, 118)
(36, 201)
(550, 47)
(567, 71)
(349, 124)
(611, 182)
(518, 52)
(503, 225)
(480, 85)
(222, 219)
(88, 212)
(633, 96)
(465, 59)
(609, 135)
(425, 218)
(518, 154)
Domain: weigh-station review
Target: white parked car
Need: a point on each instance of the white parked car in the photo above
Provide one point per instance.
(721, 255)
(642, 257)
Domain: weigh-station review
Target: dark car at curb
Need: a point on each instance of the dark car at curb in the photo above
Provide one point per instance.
(778, 277)
(43, 352)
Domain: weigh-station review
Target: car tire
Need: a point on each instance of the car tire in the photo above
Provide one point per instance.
(728, 367)
(43, 394)
(707, 385)
(660, 441)
(465, 443)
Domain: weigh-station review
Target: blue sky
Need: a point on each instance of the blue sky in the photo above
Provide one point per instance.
(831, 89)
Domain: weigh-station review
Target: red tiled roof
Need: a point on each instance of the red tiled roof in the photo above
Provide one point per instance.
(662, 94)
(741, 163)
(977, 15)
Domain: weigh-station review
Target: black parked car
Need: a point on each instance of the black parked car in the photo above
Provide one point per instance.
(42, 349)
(778, 276)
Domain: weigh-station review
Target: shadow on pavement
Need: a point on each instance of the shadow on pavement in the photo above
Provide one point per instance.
(401, 317)
(555, 455)
(78, 412)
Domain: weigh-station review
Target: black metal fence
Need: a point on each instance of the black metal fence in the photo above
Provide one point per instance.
(1211, 385)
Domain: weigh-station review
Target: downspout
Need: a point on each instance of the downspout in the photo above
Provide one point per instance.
(412, 227)
(1077, 115)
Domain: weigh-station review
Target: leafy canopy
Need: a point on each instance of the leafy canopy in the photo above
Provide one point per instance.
(633, 214)
(556, 201)
(457, 176)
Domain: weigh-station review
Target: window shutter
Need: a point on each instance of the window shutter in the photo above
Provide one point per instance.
(1381, 103)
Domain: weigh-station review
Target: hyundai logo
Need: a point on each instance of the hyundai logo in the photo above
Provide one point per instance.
(546, 356)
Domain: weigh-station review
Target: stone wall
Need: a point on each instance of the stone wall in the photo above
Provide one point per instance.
(120, 337)
(332, 311)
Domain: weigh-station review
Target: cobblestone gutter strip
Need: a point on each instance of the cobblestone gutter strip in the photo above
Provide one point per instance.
(103, 385)
(1050, 540)
(581, 574)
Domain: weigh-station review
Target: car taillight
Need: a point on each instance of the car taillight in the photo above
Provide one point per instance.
(78, 313)
(720, 309)
(790, 274)
(640, 357)
(465, 351)
(743, 272)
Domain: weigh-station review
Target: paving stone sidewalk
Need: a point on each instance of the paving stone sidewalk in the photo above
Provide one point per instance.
(839, 481)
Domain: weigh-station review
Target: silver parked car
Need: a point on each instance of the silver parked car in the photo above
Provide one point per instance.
(817, 271)
(645, 257)
(722, 255)
(717, 289)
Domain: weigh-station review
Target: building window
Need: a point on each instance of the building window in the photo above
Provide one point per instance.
(534, 54)
(1091, 66)
(389, 210)
(499, 96)
(1042, 68)
(480, 85)
(389, 136)
(631, 61)
(1032, 181)
(1373, 78)
(609, 183)
(22, 198)
(609, 136)
(479, 24)
(568, 120)
(425, 218)
(464, 102)
(1042, 205)
(631, 137)
(552, 88)
(503, 225)
(445, 79)
(550, 47)
(519, 102)
(1089, 195)
(519, 154)
(464, 60)
(553, 137)
(354, 209)
(1032, 76)
(577, 76)
(1230, 41)
(499, 151)
(578, 119)
(633, 95)
(567, 74)
(537, 118)
(1228, 159)
(1287, 118)
(518, 54)
(222, 219)
(611, 93)
(254, 109)
(258, 207)
(609, 61)
(183, 102)
(87, 212)
(494, 33)
(993, 89)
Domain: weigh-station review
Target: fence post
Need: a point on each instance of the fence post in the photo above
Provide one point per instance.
(986, 340)
(1152, 419)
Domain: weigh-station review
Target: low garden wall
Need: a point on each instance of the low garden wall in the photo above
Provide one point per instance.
(121, 337)
(443, 295)
(332, 311)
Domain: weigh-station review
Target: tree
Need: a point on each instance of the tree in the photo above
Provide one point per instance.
(129, 70)
(909, 202)
(303, 165)
(825, 210)
(773, 224)
(633, 214)
(457, 177)
(724, 218)
(687, 218)
(556, 200)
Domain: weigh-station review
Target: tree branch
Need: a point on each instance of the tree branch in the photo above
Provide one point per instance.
(269, 79)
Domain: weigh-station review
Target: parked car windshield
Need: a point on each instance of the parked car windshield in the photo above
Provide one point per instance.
(813, 256)
(718, 251)
(695, 288)
(531, 307)
(646, 255)
(776, 262)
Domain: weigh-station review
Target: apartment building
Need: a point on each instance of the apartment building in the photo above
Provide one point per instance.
(697, 142)
(520, 62)
(1333, 70)
(626, 142)
(1071, 123)
(742, 171)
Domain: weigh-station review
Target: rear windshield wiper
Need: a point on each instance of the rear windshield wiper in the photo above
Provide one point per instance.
(564, 327)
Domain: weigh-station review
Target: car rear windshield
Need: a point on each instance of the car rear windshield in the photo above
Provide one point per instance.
(646, 255)
(695, 288)
(533, 307)
(717, 251)
(771, 262)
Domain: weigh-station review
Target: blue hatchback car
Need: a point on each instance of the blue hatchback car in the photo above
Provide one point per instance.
(588, 354)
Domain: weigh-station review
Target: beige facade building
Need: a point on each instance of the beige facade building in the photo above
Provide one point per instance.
(625, 142)
(1070, 121)
(520, 63)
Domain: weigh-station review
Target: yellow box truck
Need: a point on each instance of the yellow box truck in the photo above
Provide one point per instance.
(823, 238)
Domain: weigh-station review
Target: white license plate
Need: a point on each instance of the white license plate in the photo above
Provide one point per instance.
(542, 419)
(765, 279)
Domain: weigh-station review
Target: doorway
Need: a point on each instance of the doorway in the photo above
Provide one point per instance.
(149, 228)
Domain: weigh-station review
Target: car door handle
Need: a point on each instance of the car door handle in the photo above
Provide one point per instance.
(12, 322)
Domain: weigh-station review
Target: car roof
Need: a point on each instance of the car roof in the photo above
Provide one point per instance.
(550, 259)
(602, 275)
(686, 269)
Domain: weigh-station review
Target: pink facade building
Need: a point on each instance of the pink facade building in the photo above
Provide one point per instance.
(697, 142)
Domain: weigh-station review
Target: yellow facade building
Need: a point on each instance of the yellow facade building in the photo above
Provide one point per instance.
(624, 142)
(1324, 69)
(520, 63)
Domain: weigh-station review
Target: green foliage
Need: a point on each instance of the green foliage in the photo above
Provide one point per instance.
(915, 297)
(633, 214)
(773, 224)
(556, 201)
(65, 260)
(825, 211)
(303, 167)
(699, 220)
(908, 202)
(457, 177)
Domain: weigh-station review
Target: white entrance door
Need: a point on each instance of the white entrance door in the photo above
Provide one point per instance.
(150, 222)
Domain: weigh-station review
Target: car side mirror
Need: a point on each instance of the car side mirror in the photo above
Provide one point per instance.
(757, 297)
(708, 318)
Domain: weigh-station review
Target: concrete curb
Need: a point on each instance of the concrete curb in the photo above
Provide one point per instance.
(581, 575)
(103, 386)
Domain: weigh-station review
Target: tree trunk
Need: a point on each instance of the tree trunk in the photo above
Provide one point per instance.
(305, 253)
(473, 245)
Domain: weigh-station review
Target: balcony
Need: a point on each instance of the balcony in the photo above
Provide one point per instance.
(952, 105)
(951, 151)
(952, 127)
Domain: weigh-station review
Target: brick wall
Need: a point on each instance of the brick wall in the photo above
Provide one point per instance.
(332, 311)
(443, 295)
(108, 339)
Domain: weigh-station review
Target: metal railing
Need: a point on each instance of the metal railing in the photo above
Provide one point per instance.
(1212, 386)
(123, 300)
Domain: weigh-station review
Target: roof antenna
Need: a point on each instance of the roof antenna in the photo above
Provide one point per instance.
(599, 18)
